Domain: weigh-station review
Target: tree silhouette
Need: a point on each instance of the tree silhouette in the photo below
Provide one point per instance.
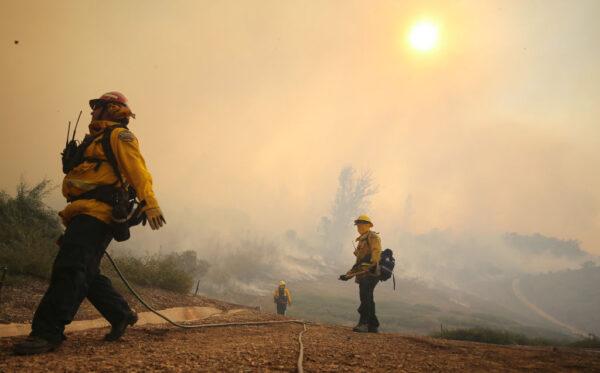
(351, 200)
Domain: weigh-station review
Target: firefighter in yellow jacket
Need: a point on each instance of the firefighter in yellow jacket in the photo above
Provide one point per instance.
(282, 298)
(366, 273)
(103, 175)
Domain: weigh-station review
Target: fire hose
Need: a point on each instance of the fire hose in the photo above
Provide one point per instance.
(214, 325)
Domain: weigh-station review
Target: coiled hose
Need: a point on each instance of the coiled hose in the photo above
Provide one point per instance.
(215, 325)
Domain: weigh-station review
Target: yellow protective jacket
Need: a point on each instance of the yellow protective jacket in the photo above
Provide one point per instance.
(368, 253)
(288, 295)
(89, 175)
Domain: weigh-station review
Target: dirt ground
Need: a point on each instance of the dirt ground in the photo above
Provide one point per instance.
(272, 348)
(275, 348)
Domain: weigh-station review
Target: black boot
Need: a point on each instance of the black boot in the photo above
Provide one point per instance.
(35, 345)
(117, 330)
(373, 329)
(361, 328)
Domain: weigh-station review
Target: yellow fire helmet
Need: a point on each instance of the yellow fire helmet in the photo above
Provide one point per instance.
(281, 283)
(363, 219)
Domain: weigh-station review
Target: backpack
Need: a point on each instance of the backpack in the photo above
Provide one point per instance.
(282, 297)
(386, 266)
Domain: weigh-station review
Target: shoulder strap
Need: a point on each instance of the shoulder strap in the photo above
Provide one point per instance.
(367, 258)
(110, 154)
(369, 236)
(367, 239)
(87, 141)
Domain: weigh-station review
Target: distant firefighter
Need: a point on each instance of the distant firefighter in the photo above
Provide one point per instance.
(282, 298)
(366, 272)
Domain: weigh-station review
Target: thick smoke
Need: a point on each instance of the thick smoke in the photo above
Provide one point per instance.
(243, 261)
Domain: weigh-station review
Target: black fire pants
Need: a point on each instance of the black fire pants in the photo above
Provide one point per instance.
(281, 307)
(366, 287)
(75, 276)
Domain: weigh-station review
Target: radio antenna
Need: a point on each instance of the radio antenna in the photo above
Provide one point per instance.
(76, 123)
(68, 131)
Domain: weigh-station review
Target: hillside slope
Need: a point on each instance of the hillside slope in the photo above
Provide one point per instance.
(328, 348)
(570, 296)
(414, 307)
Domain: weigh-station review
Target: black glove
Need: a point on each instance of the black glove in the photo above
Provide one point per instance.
(344, 277)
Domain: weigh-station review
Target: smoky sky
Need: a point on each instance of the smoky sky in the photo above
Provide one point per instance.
(247, 111)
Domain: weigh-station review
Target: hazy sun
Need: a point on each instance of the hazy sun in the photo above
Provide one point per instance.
(423, 36)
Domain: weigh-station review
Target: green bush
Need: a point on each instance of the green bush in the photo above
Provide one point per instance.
(175, 271)
(28, 231)
(591, 342)
(486, 335)
(503, 337)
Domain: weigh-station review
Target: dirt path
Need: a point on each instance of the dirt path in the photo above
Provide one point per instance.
(274, 348)
(177, 314)
(519, 294)
(19, 300)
